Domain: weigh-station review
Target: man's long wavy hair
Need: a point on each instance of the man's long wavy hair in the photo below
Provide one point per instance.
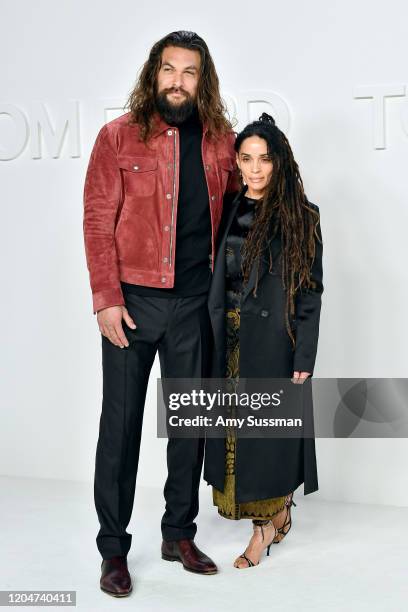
(211, 108)
(284, 210)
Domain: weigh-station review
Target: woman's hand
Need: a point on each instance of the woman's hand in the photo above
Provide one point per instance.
(300, 377)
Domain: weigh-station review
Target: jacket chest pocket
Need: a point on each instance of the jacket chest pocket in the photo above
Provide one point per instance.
(225, 168)
(139, 175)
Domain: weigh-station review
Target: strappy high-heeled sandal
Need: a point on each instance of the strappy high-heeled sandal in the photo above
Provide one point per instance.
(287, 523)
(259, 525)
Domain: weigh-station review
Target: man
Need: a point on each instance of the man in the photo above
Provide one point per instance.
(152, 206)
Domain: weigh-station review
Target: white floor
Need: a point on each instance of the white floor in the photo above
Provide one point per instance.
(348, 557)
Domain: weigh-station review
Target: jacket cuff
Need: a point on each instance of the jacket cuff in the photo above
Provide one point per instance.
(106, 298)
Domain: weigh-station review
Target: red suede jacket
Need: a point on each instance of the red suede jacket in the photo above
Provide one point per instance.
(130, 205)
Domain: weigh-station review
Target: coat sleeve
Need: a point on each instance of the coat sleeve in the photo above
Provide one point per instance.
(102, 196)
(308, 305)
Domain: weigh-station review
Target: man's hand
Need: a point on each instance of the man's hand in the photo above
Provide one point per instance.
(300, 377)
(110, 324)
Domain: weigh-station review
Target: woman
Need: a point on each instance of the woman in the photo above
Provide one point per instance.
(264, 305)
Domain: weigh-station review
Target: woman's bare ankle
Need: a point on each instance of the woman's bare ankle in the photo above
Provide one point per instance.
(262, 537)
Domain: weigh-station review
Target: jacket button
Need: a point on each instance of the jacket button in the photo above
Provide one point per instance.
(165, 259)
(135, 167)
(163, 279)
(213, 197)
(207, 167)
(264, 313)
(169, 132)
(168, 196)
(166, 228)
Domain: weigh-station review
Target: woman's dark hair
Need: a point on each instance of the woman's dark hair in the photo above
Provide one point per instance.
(283, 209)
(211, 107)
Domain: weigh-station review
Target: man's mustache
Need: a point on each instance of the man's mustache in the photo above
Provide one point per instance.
(176, 90)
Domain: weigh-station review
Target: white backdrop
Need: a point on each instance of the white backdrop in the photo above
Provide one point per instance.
(317, 62)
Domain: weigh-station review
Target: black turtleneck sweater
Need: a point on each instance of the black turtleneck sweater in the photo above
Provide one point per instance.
(193, 235)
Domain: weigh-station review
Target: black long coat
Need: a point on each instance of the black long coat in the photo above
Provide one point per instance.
(265, 467)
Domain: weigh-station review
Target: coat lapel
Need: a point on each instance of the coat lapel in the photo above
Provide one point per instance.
(232, 209)
(216, 298)
(264, 266)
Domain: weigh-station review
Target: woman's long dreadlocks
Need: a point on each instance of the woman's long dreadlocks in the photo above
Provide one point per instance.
(284, 209)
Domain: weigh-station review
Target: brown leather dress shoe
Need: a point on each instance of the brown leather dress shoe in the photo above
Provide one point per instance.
(189, 555)
(115, 578)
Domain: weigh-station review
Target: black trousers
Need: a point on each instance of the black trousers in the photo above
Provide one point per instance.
(179, 329)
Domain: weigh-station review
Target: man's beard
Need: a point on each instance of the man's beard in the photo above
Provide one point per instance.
(174, 114)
